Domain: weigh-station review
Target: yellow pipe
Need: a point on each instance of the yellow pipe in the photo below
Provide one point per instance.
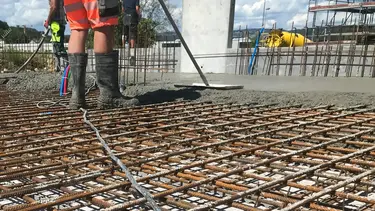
(278, 38)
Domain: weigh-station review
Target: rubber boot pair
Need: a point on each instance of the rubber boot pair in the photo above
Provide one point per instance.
(107, 80)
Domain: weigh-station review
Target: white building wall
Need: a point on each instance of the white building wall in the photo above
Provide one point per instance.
(205, 28)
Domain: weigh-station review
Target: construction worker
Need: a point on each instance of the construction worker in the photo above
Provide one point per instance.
(132, 13)
(83, 15)
(56, 21)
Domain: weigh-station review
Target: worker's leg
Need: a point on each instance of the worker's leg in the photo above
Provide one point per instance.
(77, 41)
(107, 71)
(132, 43)
(104, 39)
(106, 60)
(63, 51)
(133, 28)
(133, 35)
(126, 34)
(78, 63)
(56, 40)
(61, 40)
(56, 57)
(77, 17)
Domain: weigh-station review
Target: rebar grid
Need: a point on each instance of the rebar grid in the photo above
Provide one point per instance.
(189, 155)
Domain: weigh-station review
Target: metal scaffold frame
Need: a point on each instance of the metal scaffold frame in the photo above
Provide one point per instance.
(363, 8)
(338, 18)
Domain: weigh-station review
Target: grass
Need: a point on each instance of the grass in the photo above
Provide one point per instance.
(11, 59)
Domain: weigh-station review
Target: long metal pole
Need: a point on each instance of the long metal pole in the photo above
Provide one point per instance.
(169, 16)
(264, 13)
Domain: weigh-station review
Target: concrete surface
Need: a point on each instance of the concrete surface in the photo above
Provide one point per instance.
(205, 28)
(261, 89)
(280, 83)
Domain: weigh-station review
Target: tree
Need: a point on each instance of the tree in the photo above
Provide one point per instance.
(3, 28)
(23, 35)
(154, 20)
(3, 25)
(90, 39)
(151, 9)
(146, 33)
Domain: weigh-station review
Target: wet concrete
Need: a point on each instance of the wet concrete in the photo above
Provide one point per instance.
(260, 89)
(39, 82)
(265, 89)
(279, 83)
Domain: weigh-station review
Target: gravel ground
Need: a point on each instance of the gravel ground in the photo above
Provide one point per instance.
(161, 89)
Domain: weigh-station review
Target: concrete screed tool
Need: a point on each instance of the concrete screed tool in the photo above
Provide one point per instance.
(205, 83)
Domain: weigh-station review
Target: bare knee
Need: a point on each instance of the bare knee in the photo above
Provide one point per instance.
(77, 41)
(105, 30)
(104, 39)
(81, 34)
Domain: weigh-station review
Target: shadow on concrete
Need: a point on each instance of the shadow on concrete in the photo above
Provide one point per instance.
(162, 96)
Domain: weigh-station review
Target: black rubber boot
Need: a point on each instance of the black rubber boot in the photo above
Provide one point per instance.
(78, 63)
(107, 80)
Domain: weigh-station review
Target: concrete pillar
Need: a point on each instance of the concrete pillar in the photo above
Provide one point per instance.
(207, 29)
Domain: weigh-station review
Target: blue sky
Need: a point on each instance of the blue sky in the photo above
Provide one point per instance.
(283, 12)
(32, 13)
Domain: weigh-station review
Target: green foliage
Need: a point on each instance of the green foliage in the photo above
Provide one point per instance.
(90, 39)
(3, 25)
(151, 9)
(12, 59)
(146, 33)
(252, 44)
(21, 35)
(118, 30)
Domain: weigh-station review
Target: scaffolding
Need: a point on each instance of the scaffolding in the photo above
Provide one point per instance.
(349, 12)
(342, 18)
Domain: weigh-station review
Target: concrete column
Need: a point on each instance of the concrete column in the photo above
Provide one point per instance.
(206, 27)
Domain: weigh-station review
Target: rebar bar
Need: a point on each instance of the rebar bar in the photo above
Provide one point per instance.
(188, 155)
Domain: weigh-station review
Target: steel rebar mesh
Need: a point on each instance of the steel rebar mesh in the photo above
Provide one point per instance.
(189, 155)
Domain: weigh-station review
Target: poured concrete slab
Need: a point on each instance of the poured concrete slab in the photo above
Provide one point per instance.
(260, 89)
(280, 83)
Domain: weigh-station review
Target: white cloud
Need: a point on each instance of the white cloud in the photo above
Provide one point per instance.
(298, 21)
(281, 12)
(21, 12)
(248, 12)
